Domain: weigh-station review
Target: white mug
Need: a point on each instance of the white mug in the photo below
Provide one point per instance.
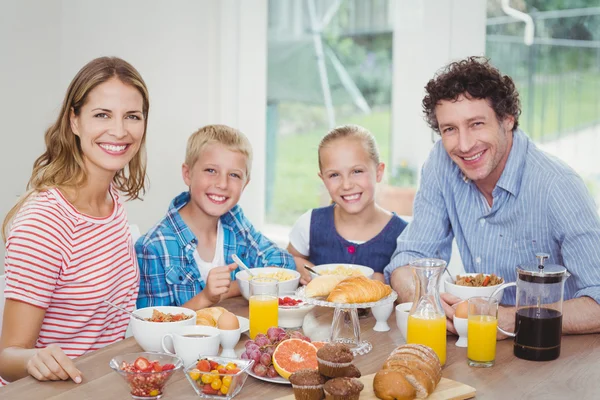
(192, 341)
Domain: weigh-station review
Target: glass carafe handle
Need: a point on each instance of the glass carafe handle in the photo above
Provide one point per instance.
(501, 287)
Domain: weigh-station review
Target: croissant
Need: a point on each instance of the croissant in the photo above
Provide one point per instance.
(359, 289)
(323, 285)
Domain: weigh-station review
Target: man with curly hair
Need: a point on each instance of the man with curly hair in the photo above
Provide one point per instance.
(488, 186)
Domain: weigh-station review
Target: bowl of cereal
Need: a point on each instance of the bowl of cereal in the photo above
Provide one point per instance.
(146, 373)
(466, 286)
(158, 321)
(344, 269)
(289, 279)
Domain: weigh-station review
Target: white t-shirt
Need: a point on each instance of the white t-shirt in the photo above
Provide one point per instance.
(219, 258)
(300, 234)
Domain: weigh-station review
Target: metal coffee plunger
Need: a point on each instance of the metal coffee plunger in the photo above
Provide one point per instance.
(538, 320)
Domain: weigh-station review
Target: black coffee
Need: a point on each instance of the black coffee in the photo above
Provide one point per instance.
(538, 334)
(195, 335)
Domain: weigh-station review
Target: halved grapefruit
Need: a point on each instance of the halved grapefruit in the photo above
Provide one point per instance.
(318, 345)
(292, 355)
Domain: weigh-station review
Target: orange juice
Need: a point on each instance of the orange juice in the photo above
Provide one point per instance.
(263, 314)
(429, 332)
(482, 338)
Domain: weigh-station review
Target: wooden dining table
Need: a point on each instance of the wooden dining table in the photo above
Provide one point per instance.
(574, 375)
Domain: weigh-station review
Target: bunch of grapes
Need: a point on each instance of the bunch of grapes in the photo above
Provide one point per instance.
(261, 350)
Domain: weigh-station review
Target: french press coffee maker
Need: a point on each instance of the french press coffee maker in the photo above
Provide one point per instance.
(538, 320)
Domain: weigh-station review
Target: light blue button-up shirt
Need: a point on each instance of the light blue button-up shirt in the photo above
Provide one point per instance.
(539, 205)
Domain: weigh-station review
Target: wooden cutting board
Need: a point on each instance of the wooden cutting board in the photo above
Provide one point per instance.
(447, 389)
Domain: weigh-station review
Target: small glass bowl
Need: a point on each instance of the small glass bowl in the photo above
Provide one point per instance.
(194, 376)
(146, 385)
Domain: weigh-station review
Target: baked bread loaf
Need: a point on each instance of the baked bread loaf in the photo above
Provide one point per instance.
(411, 371)
(359, 289)
(209, 316)
(323, 285)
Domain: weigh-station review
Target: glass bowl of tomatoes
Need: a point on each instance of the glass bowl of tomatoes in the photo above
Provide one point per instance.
(146, 373)
(215, 377)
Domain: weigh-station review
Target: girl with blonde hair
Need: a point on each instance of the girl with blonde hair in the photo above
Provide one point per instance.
(68, 245)
(353, 229)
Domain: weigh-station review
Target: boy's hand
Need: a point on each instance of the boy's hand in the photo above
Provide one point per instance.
(218, 282)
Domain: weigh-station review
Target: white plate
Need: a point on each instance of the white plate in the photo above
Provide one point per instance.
(366, 271)
(279, 379)
(244, 324)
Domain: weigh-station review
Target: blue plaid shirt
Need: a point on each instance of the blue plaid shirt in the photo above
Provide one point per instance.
(169, 273)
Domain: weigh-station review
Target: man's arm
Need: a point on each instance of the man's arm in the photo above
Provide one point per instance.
(402, 282)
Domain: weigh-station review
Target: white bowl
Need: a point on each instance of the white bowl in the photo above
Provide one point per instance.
(402, 311)
(149, 334)
(288, 286)
(293, 316)
(366, 271)
(466, 292)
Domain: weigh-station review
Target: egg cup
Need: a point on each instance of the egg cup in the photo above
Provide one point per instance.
(229, 338)
(381, 314)
(461, 325)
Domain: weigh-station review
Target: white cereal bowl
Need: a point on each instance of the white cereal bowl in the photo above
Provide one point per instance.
(366, 271)
(466, 292)
(402, 311)
(149, 334)
(285, 287)
(293, 316)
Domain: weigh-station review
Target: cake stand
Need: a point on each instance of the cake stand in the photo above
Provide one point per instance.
(358, 346)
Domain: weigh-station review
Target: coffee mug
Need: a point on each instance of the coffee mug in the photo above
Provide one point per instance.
(191, 341)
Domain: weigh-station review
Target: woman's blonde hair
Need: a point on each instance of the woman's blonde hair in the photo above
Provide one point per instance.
(62, 165)
(225, 135)
(355, 132)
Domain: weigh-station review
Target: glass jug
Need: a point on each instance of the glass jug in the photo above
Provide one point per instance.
(426, 319)
(538, 320)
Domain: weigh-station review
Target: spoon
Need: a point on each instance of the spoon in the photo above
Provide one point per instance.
(241, 264)
(449, 274)
(124, 310)
(311, 270)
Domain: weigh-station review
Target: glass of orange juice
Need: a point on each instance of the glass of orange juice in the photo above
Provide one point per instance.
(482, 324)
(264, 305)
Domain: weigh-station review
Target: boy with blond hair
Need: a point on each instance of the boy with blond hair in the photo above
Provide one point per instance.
(186, 258)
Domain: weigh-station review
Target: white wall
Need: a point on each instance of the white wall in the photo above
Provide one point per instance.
(204, 61)
(428, 34)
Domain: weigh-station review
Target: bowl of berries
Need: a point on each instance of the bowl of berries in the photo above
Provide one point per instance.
(292, 311)
(215, 377)
(146, 373)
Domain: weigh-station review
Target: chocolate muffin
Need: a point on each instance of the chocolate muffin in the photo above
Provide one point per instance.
(343, 389)
(333, 359)
(307, 384)
(351, 372)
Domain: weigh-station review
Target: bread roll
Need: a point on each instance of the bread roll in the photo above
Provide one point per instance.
(414, 364)
(209, 316)
(323, 285)
(359, 289)
(391, 385)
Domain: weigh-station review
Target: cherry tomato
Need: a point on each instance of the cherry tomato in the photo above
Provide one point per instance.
(168, 367)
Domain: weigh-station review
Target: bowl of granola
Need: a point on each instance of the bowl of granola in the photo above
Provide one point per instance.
(158, 321)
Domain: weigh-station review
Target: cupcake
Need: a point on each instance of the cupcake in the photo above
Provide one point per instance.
(351, 372)
(343, 389)
(333, 359)
(307, 384)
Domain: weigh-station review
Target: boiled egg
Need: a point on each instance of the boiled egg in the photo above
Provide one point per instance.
(228, 321)
(462, 310)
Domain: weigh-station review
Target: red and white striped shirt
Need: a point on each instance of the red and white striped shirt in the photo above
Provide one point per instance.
(68, 263)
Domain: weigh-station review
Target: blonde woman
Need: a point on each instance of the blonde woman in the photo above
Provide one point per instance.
(68, 245)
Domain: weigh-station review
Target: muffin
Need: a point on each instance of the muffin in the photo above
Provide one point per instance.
(333, 359)
(307, 384)
(343, 389)
(351, 372)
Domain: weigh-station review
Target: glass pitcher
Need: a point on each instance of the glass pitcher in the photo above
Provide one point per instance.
(538, 320)
(427, 320)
